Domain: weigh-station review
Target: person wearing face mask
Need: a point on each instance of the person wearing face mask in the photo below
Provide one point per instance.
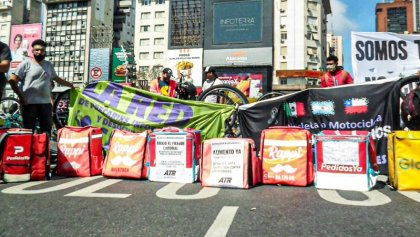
(34, 91)
(335, 75)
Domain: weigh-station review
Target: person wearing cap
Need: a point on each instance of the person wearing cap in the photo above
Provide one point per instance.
(164, 85)
(211, 80)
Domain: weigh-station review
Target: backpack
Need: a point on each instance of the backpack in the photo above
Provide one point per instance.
(410, 110)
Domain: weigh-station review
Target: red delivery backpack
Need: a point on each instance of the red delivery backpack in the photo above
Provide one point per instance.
(125, 158)
(345, 160)
(230, 162)
(286, 154)
(79, 151)
(25, 156)
(172, 154)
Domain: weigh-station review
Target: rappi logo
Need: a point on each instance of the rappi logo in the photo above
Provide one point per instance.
(406, 164)
(342, 168)
(275, 153)
(119, 148)
(72, 151)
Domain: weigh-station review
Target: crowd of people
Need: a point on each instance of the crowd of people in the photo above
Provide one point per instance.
(32, 81)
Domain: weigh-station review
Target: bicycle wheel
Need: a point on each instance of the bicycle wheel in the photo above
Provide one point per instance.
(10, 114)
(408, 84)
(270, 95)
(225, 94)
(61, 109)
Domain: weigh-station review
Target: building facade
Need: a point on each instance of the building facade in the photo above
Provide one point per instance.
(335, 47)
(73, 30)
(396, 17)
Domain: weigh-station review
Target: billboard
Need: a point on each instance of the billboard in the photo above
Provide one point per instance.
(237, 22)
(187, 62)
(99, 64)
(21, 39)
(249, 83)
(118, 70)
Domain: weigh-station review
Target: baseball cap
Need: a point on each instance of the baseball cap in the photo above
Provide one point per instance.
(168, 71)
(209, 69)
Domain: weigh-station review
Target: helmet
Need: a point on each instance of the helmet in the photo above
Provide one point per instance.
(186, 91)
(410, 108)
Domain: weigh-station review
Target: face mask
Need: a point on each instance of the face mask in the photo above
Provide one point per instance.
(39, 57)
(330, 68)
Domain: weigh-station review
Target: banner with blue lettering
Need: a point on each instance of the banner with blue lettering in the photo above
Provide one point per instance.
(110, 105)
(370, 106)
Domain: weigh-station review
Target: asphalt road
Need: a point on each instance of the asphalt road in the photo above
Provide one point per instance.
(97, 206)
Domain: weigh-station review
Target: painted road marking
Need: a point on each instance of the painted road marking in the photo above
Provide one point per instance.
(169, 192)
(411, 194)
(221, 225)
(20, 189)
(90, 191)
(374, 198)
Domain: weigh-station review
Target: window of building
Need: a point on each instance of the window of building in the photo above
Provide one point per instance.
(159, 28)
(143, 68)
(144, 42)
(146, 2)
(158, 55)
(159, 14)
(145, 15)
(158, 41)
(144, 28)
(144, 55)
(160, 1)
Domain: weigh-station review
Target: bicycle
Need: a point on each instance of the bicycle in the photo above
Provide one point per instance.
(10, 113)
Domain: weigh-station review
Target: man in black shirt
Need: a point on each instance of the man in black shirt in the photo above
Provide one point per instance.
(5, 59)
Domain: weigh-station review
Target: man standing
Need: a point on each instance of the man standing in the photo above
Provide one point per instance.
(5, 59)
(211, 80)
(34, 92)
(163, 85)
(335, 75)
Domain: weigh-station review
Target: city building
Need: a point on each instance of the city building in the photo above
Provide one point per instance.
(151, 35)
(396, 17)
(16, 12)
(300, 44)
(335, 47)
(124, 22)
(79, 33)
(416, 16)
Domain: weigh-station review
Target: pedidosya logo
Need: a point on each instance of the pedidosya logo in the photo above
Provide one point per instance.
(409, 163)
(16, 151)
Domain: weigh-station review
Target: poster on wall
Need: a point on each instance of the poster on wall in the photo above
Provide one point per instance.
(21, 39)
(249, 83)
(99, 64)
(187, 63)
(118, 70)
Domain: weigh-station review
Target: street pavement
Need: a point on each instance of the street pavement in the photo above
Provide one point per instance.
(97, 206)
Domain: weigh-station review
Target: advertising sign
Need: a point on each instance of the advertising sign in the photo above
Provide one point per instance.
(99, 65)
(118, 68)
(187, 62)
(237, 22)
(381, 55)
(249, 83)
(21, 39)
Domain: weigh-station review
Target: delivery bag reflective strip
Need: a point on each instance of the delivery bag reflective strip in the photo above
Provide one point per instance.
(16, 157)
(404, 160)
(286, 155)
(343, 161)
(230, 162)
(79, 151)
(40, 157)
(172, 168)
(126, 155)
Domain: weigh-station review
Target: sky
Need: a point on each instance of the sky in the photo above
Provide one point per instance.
(348, 16)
